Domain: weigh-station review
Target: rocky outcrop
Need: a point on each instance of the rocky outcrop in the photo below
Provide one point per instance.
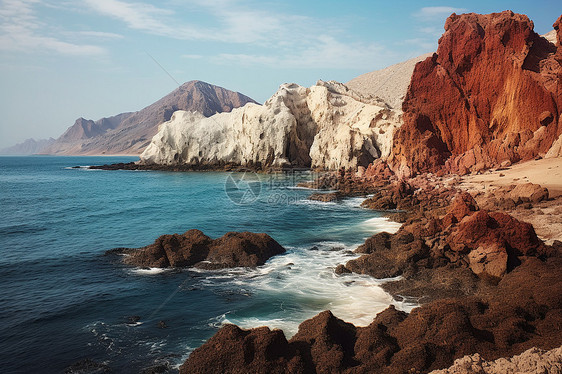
(487, 284)
(464, 240)
(326, 126)
(491, 93)
(130, 133)
(28, 147)
(532, 361)
(524, 312)
(193, 248)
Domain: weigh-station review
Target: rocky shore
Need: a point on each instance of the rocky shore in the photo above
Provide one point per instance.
(486, 283)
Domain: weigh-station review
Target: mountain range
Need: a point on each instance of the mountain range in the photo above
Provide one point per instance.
(28, 147)
(130, 133)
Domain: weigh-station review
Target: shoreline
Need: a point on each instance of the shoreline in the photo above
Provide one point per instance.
(437, 203)
(427, 206)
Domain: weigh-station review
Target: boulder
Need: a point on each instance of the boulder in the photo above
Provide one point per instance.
(496, 229)
(193, 248)
(488, 260)
(528, 193)
(233, 350)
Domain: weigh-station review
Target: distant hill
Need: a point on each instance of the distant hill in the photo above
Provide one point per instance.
(28, 147)
(131, 133)
(389, 84)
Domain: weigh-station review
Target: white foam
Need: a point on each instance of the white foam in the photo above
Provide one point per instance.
(380, 224)
(353, 202)
(301, 284)
(149, 271)
(301, 188)
(315, 203)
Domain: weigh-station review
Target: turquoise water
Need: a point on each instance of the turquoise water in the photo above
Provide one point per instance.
(62, 300)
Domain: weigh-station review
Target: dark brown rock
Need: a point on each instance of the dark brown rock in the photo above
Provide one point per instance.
(523, 310)
(193, 248)
(87, 366)
(233, 350)
(329, 341)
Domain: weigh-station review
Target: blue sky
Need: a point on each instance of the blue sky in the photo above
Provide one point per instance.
(61, 60)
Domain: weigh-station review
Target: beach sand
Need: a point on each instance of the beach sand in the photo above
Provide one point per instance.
(546, 216)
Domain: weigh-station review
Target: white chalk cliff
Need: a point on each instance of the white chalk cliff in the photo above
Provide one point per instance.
(326, 126)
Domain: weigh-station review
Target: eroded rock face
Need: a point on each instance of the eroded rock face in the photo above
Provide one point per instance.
(490, 93)
(193, 248)
(326, 126)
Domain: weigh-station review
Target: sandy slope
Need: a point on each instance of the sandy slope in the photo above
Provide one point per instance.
(390, 83)
(546, 216)
(546, 172)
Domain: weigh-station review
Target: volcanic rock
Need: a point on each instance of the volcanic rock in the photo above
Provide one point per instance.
(524, 311)
(193, 248)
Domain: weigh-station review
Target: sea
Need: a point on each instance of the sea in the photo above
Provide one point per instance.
(63, 300)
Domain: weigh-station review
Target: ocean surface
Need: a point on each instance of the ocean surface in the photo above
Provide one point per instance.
(62, 300)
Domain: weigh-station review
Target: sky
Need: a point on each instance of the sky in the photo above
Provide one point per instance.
(61, 60)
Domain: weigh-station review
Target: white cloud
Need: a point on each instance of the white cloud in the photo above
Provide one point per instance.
(101, 34)
(146, 17)
(325, 52)
(437, 12)
(21, 30)
(282, 39)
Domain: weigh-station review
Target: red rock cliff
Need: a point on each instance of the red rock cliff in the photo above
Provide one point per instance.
(491, 93)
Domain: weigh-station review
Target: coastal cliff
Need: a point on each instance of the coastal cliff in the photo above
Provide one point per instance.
(490, 94)
(326, 126)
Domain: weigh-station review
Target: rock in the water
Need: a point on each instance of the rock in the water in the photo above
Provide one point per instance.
(233, 350)
(193, 248)
(325, 126)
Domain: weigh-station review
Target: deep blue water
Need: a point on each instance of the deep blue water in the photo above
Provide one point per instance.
(62, 300)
